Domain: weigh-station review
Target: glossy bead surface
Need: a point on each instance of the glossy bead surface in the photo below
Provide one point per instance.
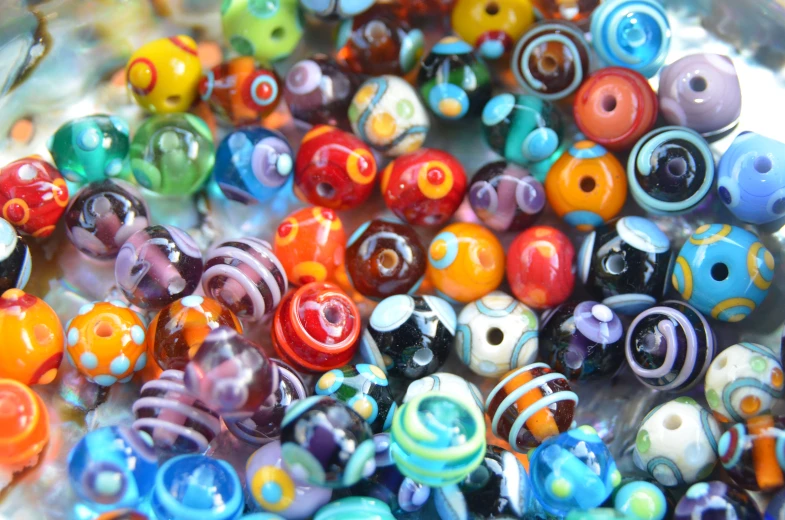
(626, 264)
(751, 178)
(365, 389)
(586, 186)
(724, 271)
(525, 130)
(573, 470)
(318, 91)
(355, 507)
(506, 197)
(529, 405)
(245, 276)
(452, 81)
(425, 187)
(310, 244)
(461, 252)
(409, 336)
(239, 91)
(112, 467)
(677, 443)
(179, 329)
(388, 115)
(197, 486)
(670, 346)
(273, 488)
(670, 170)
(384, 258)
(583, 341)
(701, 92)
(162, 75)
(641, 500)
(336, 8)
(551, 60)
(615, 107)
(15, 260)
(24, 425)
(496, 334)
(749, 453)
(316, 328)
(377, 42)
(717, 500)
(575, 11)
(106, 342)
(33, 345)
(158, 265)
(491, 29)
(743, 381)
(33, 196)
(91, 148)
(437, 439)
(540, 267)
(172, 154)
(448, 383)
(102, 215)
(268, 31)
(230, 374)
(326, 443)
(253, 164)
(334, 169)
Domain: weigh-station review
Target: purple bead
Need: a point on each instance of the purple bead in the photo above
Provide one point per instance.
(506, 197)
(597, 322)
(701, 92)
(158, 265)
(716, 500)
(231, 375)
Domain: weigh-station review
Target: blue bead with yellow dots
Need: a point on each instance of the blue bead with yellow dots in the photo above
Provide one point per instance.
(723, 271)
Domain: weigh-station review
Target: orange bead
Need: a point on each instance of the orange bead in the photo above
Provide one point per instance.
(586, 186)
(24, 424)
(32, 338)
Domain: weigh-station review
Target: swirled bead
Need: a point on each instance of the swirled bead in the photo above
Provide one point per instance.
(631, 33)
(174, 418)
(669, 347)
(670, 170)
(717, 499)
(355, 507)
(751, 452)
(506, 197)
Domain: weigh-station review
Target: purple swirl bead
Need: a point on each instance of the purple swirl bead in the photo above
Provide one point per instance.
(597, 322)
(506, 197)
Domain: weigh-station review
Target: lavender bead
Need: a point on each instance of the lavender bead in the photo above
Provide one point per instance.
(506, 197)
(158, 265)
(701, 92)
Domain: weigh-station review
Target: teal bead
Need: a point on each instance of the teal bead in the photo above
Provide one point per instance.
(355, 508)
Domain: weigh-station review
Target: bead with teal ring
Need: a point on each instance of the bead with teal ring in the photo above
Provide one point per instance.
(723, 271)
(411, 50)
(634, 34)
(355, 508)
(640, 500)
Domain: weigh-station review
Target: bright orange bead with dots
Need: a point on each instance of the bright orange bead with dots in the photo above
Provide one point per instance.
(311, 245)
(465, 262)
(24, 424)
(32, 339)
(33, 195)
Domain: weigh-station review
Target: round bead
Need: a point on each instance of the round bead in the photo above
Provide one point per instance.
(494, 28)
(551, 60)
(540, 267)
(576, 12)
(615, 107)
(496, 334)
(716, 499)
(447, 383)
(677, 443)
(15, 259)
(336, 8)
(670, 170)
(752, 453)
(743, 381)
(355, 507)
(723, 271)
(641, 500)
(506, 197)
(245, 276)
(33, 196)
(268, 31)
(631, 33)
(529, 405)
(424, 188)
(751, 178)
(461, 252)
(669, 347)
(24, 425)
(586, 186)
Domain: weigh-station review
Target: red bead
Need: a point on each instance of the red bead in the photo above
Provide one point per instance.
(615, 107)
(316, 328)
(539, 267)
(33, 195)
(425, 187)
(334, 169)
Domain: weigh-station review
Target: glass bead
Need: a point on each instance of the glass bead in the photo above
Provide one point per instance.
(24, 425)
(717, 500)
(448, 383)
(641, 500)
(355, 507)
(575, 11)
(506, 197)
(15, 259)
(33, 196)
(749, 453)
(268, 31)
(337, 8)
(491, 27)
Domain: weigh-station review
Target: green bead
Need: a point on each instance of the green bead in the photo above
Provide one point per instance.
(269, 30)
(172, 154)
(687, 400)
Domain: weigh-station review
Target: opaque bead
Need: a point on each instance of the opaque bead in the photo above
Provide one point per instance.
(494, 28)
(268, 31)
(33, 196)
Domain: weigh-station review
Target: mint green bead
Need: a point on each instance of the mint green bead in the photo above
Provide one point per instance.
(172, 154)
(355, 508)
(268, 30)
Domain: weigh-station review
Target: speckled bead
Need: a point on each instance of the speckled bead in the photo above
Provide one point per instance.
(724, 271)
(751, 453)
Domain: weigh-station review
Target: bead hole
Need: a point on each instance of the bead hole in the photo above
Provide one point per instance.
(588, 184)
(388, 259)
(492, 8)
(677, 166)
(103, 329)
(333, 313)
(172, 100)
(277, 33)
(325, 190)
(608, 103)
(778, 207)
(719, 271)
(615, 264)
(698, 84)
(762, 164)
(672, 422)
(723, 362)
(548, 64)
(494, 336)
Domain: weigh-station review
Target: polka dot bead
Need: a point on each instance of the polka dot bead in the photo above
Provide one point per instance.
(365, 389)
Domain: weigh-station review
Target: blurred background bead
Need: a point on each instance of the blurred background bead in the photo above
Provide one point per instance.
(540, 267)
(355, 507)
(717, 499)
(268, 31)
(575, 11)
(491, 27)
(15, 259)
(33, 195)
(336, 8)
(506, 197)
(24, 427)
(748, 452)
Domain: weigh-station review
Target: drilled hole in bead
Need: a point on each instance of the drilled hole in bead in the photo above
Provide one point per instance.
(494, 336)
(698, 84)
(388, 259)
(608, 103)
(325, 190)
(548, 64)
(492, 8)
(719, 271)
(172, 100)
(672, 422)
(762, 164)
(615, 264)
(277, 33)
(588, 184)
(722, 362)
(677, 166)
(377, 32)
(103, 329)
(778, 207)
(333, 313)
